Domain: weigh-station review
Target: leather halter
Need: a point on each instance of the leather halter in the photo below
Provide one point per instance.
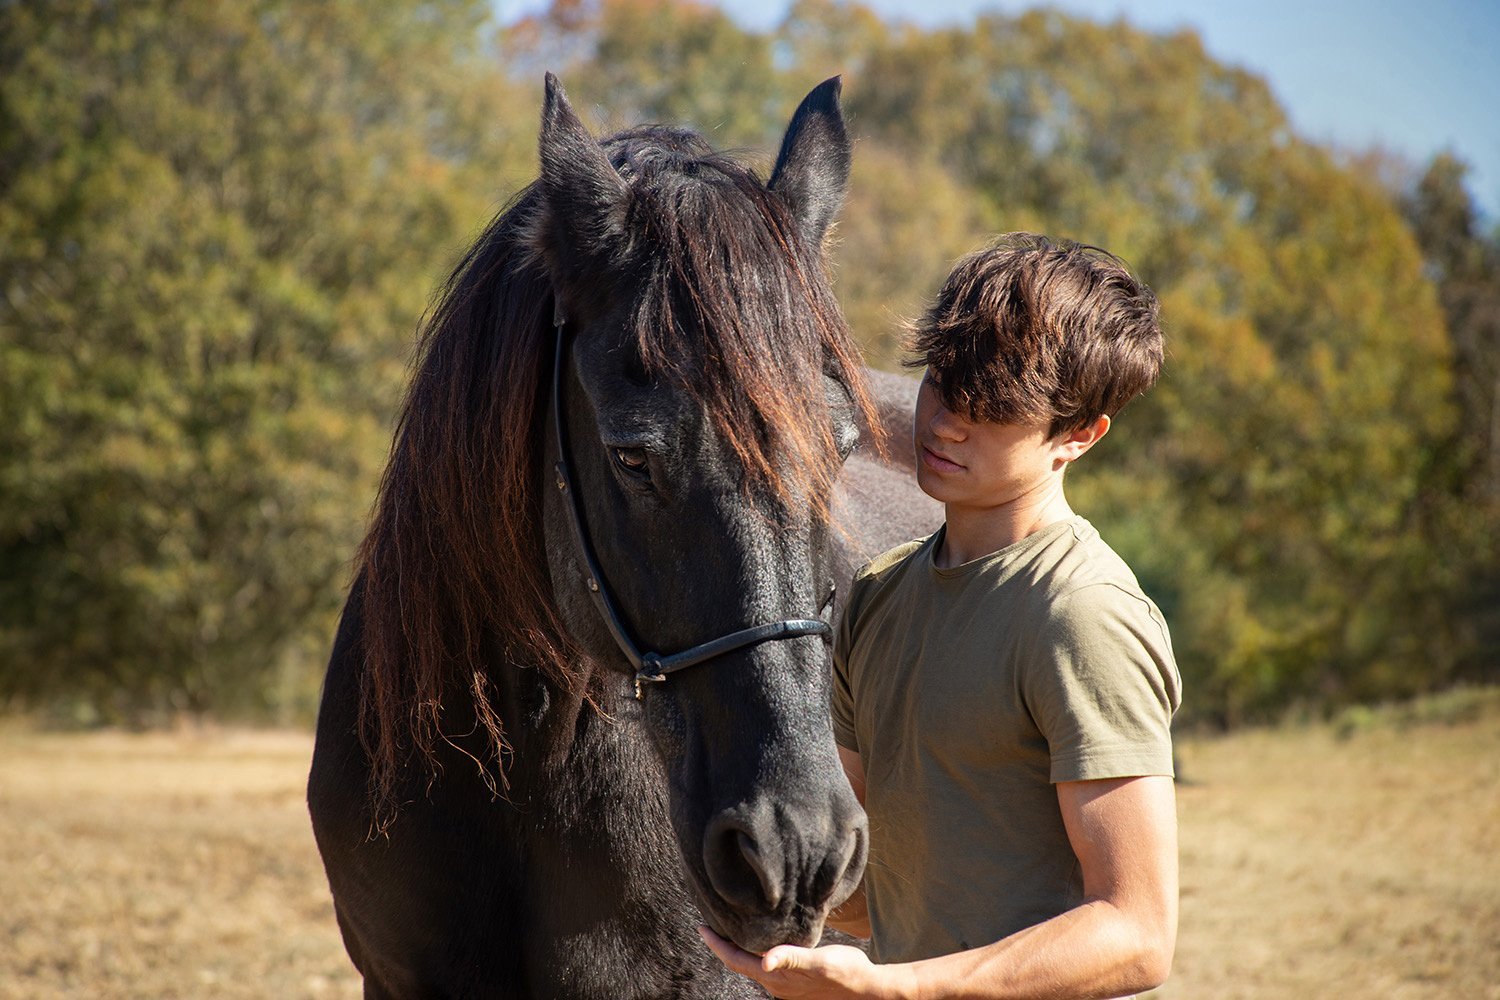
(650, 667)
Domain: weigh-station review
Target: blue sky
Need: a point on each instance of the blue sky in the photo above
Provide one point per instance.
(1412, 78)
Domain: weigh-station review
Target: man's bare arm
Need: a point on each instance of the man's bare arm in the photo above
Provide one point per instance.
(852, 916)
(1119, 940)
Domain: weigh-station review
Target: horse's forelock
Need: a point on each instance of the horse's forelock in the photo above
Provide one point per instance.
(737, 313)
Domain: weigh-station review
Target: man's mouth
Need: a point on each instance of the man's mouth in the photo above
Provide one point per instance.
(938, 462)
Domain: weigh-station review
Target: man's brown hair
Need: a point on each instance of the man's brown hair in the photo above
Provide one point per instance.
(1030, 329)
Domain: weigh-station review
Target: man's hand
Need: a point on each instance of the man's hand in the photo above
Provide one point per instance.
(834, 971)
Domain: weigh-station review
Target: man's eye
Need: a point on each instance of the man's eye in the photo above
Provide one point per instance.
(632, 460)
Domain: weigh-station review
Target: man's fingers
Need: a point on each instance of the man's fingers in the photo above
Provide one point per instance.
(732, 955)
(784, 957)
(787, 970)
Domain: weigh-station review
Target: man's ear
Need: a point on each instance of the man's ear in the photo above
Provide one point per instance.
(1070, 445)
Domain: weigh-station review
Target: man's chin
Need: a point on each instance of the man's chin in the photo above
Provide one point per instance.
(931, 485)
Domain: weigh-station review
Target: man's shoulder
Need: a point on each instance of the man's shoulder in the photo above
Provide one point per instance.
(1080, 561)
(1081, 577)
(1090, 586)
(888, 561)
(1099, 641)
(876, 575)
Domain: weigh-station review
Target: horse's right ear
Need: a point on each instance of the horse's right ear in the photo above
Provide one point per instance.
(812, 170)
(585, 196)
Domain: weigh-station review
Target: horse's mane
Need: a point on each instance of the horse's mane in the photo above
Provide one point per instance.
(453, 570)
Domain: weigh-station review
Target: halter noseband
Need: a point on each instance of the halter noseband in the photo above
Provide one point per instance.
(650, 668)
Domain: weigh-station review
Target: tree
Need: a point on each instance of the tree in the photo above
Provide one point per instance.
(890, 259)
(220, 224)
(827, 37)
(1465, 263)
(659, 61)
(1271, 487)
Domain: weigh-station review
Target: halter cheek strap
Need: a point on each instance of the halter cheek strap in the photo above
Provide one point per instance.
(650, 667)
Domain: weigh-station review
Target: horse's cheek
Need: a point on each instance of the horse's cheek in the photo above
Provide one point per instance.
(667, 727)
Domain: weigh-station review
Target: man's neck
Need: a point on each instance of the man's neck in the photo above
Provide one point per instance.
(975, 532)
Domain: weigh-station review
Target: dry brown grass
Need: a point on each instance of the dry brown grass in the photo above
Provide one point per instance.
(162, 865)
(1351, 860)
(1314, 864)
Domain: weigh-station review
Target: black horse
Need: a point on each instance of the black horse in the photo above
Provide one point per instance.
(498, 813)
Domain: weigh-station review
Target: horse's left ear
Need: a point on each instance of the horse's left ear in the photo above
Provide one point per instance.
(812, 170)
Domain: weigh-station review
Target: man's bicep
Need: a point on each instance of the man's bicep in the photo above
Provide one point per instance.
(1124, 833)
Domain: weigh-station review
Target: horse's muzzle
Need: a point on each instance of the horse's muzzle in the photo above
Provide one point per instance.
(776, 871)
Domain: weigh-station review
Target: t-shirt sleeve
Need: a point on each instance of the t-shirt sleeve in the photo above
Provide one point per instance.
(842, 700)
(1103, 686)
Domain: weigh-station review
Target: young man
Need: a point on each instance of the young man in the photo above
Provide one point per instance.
(1003, 689)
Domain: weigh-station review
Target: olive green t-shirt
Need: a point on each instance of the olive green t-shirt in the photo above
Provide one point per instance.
(967, 692)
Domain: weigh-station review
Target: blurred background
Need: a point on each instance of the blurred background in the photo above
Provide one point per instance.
(220, 224)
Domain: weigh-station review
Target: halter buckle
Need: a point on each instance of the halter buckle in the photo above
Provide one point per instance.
(650, 673)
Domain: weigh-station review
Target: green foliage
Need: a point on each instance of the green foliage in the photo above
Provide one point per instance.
(1457, 706)
(889, 258)
(1466, 266)
(220, 223)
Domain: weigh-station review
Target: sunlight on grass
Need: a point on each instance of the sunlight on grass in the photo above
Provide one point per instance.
(1357, 858)
(163, 865)
(1354, 858)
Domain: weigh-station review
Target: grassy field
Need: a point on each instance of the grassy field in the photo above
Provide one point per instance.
(1360, 859)
(1355, 859)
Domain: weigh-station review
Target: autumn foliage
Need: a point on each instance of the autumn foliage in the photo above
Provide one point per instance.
(220, 224)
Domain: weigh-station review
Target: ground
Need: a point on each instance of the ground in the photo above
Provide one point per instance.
(1354, 858)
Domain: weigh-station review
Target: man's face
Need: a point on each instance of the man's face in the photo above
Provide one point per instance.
(979, 465)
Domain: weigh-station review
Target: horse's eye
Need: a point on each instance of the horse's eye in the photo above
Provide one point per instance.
(846, 439)
(632, 460)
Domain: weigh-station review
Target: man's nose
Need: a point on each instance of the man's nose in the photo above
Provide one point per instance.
(947, 425)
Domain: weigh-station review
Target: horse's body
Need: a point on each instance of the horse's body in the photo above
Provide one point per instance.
(881, 505)
(621, 824)
(570, 886)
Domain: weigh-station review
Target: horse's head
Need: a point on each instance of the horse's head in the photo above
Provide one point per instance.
(708, 394)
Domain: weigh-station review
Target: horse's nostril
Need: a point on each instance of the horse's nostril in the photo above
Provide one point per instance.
(740, 869)
(854, 864)
(840, 872)
(770, 885)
